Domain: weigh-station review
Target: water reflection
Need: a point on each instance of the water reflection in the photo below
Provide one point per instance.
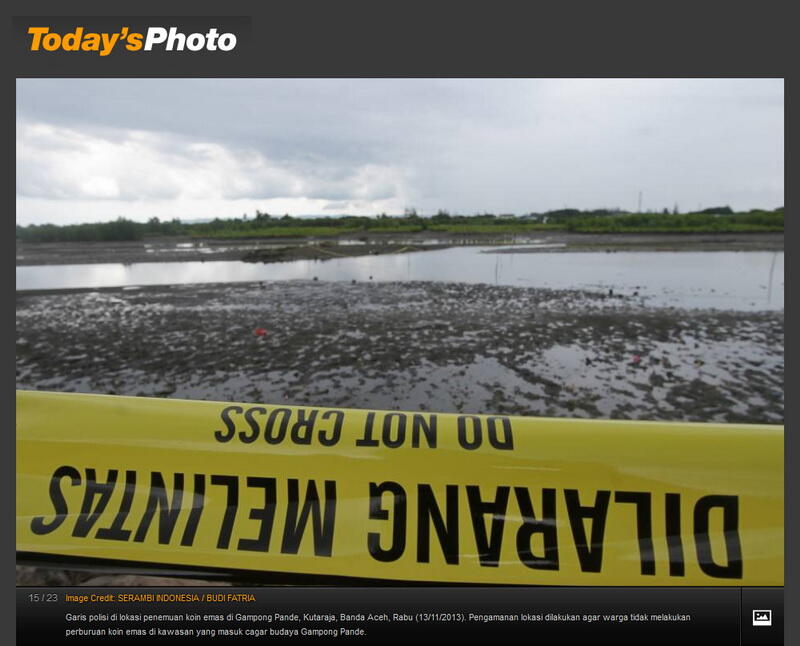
(720, 279)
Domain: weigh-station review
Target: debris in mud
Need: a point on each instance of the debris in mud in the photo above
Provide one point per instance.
(439, 346)
(327, 251)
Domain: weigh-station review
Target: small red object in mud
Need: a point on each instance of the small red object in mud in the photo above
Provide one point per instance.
(260, 331)
(636, 359)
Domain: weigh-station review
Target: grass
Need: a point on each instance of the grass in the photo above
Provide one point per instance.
(274, 232)
(488, 229)
(494, 228)
(722, 228)
(755, 221)
(400, 228)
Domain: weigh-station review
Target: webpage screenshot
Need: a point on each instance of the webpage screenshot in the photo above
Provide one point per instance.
(322, 353)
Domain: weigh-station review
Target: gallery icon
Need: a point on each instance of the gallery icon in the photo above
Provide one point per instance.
(762, 617)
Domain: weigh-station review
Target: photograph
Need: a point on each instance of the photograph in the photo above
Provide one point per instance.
(491, 330)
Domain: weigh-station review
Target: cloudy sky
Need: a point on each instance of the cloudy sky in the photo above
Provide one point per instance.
(92, 150)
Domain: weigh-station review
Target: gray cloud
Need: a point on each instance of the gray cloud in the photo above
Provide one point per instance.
(504, 145)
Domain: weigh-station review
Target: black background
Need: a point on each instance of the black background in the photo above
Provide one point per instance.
(435, 39)
(714, 612)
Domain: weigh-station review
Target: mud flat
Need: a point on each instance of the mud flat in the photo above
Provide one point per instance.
(328, 251)
(354, 244)
(418, 346)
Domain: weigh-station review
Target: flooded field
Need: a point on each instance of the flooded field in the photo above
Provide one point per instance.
(741, 280)
(420, 346)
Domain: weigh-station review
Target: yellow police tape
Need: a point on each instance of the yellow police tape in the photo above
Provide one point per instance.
(399, 496)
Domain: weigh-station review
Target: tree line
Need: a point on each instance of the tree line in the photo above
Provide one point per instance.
(266, 225)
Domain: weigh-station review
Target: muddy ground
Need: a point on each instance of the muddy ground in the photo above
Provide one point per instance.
(428, 346)
(328, 251)
(280, 249)
(415, 346)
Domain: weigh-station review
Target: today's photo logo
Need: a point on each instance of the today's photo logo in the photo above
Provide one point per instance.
(169, 39)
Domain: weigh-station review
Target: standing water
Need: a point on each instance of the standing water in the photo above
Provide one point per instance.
(751, 280)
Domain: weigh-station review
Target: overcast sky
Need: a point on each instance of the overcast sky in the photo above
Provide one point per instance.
(92, 150)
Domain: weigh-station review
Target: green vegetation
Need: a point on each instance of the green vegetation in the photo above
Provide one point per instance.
(273, 232)
(515, 227)
(115, 230)
(713, 220)
(672, 223)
